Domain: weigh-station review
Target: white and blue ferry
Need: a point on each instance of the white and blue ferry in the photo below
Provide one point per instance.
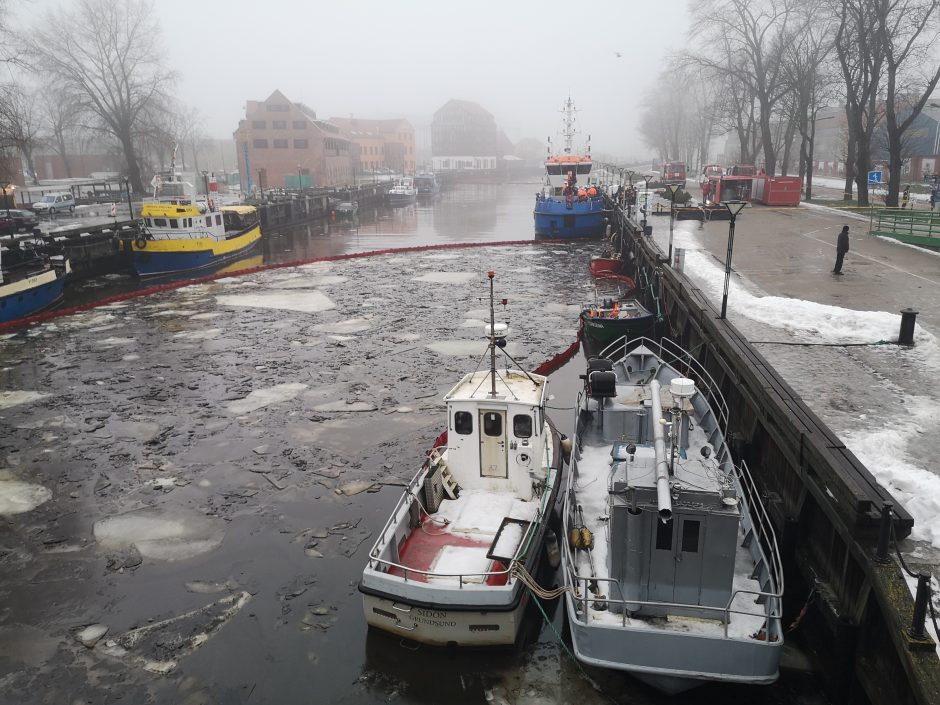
(569, 205)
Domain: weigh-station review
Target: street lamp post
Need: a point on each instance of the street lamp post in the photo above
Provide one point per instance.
(734, 207)
(672, 189)
(260, 184)
(3, 186)
(300, 180)
(127, 190)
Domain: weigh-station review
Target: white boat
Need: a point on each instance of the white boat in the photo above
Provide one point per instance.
(451, 564)
(671, 566)
(403, 192)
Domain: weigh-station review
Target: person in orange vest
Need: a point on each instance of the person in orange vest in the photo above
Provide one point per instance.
(616, 309)
(706, 190)
(592, 192)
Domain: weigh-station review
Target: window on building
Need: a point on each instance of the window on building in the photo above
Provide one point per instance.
(278, 108)
(260, 144)
(300, 124)
(300, 144)
(463, 423)
(280, 144)
(258, 124)
(279, 124)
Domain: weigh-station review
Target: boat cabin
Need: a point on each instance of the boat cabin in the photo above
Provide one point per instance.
(681, 552)
(496, 443)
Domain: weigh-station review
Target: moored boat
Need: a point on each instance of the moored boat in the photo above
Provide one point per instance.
(671, 568)
(30, 281)
(181, 234)
(427, 185)
(569, 205)
(403, 193)
(450, 565)
(610, 319)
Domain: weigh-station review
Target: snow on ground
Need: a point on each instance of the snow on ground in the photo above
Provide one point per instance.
(884, 449)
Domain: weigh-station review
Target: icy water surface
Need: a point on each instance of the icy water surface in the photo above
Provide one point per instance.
(190, 482)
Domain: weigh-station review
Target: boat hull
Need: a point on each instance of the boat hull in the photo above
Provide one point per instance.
(583, 219)
(444, 626)
(152, 258)
(641, 652)
(30, 296)
(598, 333)
(396, 200)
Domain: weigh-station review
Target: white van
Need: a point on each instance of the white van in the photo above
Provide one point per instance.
(52, 203)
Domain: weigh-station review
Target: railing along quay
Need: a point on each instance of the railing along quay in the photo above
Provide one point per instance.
(823, 501)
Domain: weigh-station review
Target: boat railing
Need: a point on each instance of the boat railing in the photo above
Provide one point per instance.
(683, 362)
(762, 526)
(770, 605)
(408, 497)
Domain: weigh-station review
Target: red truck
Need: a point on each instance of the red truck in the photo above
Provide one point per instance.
(674, 173)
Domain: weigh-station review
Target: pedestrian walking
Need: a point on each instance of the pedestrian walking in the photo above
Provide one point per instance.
(906, 197)
(842, 246)
(934, 190)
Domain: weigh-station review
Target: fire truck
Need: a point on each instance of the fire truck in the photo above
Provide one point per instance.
(674, 173)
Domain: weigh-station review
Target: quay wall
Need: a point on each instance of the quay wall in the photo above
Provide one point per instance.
(825, 505)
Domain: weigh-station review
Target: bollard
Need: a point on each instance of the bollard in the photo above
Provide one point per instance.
(917, 630)
(884, 533)
(648, 230)
(906, 334)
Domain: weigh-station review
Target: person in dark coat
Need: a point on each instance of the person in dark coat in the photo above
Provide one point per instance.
(842, 246)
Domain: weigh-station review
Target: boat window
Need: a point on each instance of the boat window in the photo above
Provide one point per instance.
(492, 424)
(159, 222)
(174, 223)
(664, 535)
(690, 536)
(522, 426)
(463, 422)
(218, 220)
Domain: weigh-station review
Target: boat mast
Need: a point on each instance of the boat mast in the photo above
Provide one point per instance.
(569, 131)
(492, 339)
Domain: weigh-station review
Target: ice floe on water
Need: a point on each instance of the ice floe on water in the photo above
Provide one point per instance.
(350, 325)
(205, 316)
(447, 277)
(265, 397)
(131, 357)
(17, 497)
(301, 301)
(441, 257)
(8, 399)
(175, 312)
(160, 535)
(473, 323)
(309, 282)
(115, 342)
(207, 334)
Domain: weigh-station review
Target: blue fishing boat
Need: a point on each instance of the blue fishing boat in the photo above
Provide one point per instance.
(30, 282)
(569, 205)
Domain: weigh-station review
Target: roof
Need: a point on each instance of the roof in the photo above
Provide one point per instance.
(512, 386)
(240, 210)
(467, 106)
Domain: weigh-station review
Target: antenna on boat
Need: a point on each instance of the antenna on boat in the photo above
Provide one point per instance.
(491, 275)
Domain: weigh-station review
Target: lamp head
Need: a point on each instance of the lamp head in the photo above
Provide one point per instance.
(734, 207)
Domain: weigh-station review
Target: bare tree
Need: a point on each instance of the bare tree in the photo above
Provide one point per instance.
(808, 72)
(909, 30)
(20, 122)
(861, 58)
(109, 62)
(61, 116)
(754, 36)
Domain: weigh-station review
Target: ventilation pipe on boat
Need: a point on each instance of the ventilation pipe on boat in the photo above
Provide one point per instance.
(663, 500)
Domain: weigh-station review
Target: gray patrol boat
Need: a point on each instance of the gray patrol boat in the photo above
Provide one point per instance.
(670, 562)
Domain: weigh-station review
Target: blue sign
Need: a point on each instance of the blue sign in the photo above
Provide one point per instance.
(874, 177)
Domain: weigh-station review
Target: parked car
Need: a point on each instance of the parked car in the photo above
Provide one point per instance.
(13, 221)
(53, 203)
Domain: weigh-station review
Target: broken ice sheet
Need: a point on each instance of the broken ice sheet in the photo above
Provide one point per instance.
(17, 497)
(264, 397)
(160, 535)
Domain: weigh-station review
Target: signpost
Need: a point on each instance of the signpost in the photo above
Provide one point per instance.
(874, 177)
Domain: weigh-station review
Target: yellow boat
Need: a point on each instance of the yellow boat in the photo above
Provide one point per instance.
(181, 234)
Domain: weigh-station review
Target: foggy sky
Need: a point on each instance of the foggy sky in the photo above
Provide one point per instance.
(371, 59)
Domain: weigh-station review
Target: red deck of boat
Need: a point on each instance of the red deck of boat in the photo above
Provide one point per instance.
(424, 544)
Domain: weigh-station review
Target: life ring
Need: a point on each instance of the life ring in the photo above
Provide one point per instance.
(141, 242)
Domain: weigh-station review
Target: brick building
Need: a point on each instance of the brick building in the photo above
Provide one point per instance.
(280, 143)
(464, 136)
(380, 144)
